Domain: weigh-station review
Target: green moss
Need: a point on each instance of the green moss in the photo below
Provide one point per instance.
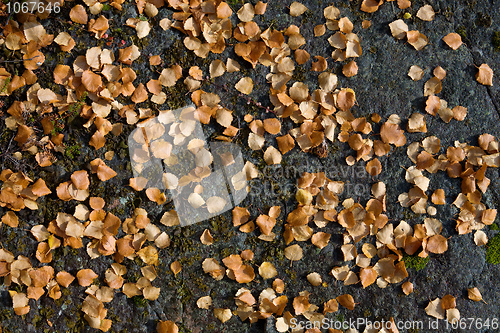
(415, 262)
(37, 321)
(299, 74)
(189, 261)
(139, 301)
(495, 40)
(308, 16)
(72, 151)
(292, 274)
(274, 250)
(6, 314)
(181, 243)
(493, 250)
(198, 282)
(409, 215)
(494, 226)
(462, 31)
(183, 291)
(227, 251)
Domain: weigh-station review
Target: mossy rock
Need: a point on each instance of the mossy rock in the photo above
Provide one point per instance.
(493, 250)
(415, 262)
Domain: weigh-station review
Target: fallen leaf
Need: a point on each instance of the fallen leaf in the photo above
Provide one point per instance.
(244, 85)
(475, 295)
(416, 73)
(204, 302)
(314, 279)
(346, 301)
(426, 13)
(434, 309)
(223, 314)
(85, 277)
(267, 270)
(398, 29)
(297, 9)
(485, 75)
(453, 40)
(293, 252)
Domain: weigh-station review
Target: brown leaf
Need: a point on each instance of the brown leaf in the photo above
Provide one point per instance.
(437, 244)
(374, 167)
(426, 13)
(64, 278)
(350, 69)
(475, 295)
(367, 276)
(272, 125)
(240, 216)
(398, 29)
(391, 133)
(293, 252)
(91, 81)
(485, 75)
(175, 267)
(453, 40)
(346, 301)
(370, 6)
(206, 238)
(78, 14)
(407, 287)
(85, 277)
(244, 85)
(10, 219)
(166, 327)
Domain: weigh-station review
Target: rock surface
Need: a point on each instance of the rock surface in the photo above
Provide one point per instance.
(382, 86)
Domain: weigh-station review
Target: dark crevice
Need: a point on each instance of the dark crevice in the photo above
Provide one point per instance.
(493, 101)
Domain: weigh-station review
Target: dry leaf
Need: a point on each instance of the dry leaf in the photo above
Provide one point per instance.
(367, 276)
(434, 309)
(217, 68)
(166, 327)
(175, 267)
(475, 295)
(350, 69)
(314, 279)
(485, 75)
(244, 85)
(272, 156)
(293, 252)
(398, 29)
(480, 238)
(78, 14)
(453, 40)
(439, 72)
(416, 39)
(416, 73)
(426, 13)
(206, 238)
(204, 302)
(407, 287)
(10, 219)
(246, 12)
(85, 277)
(297, 9)
(267, 270)
(223, 314)
(346, 301)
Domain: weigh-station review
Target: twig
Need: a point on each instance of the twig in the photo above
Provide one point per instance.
(10, 61)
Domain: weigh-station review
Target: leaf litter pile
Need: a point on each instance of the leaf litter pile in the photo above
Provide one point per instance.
(98, 84)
